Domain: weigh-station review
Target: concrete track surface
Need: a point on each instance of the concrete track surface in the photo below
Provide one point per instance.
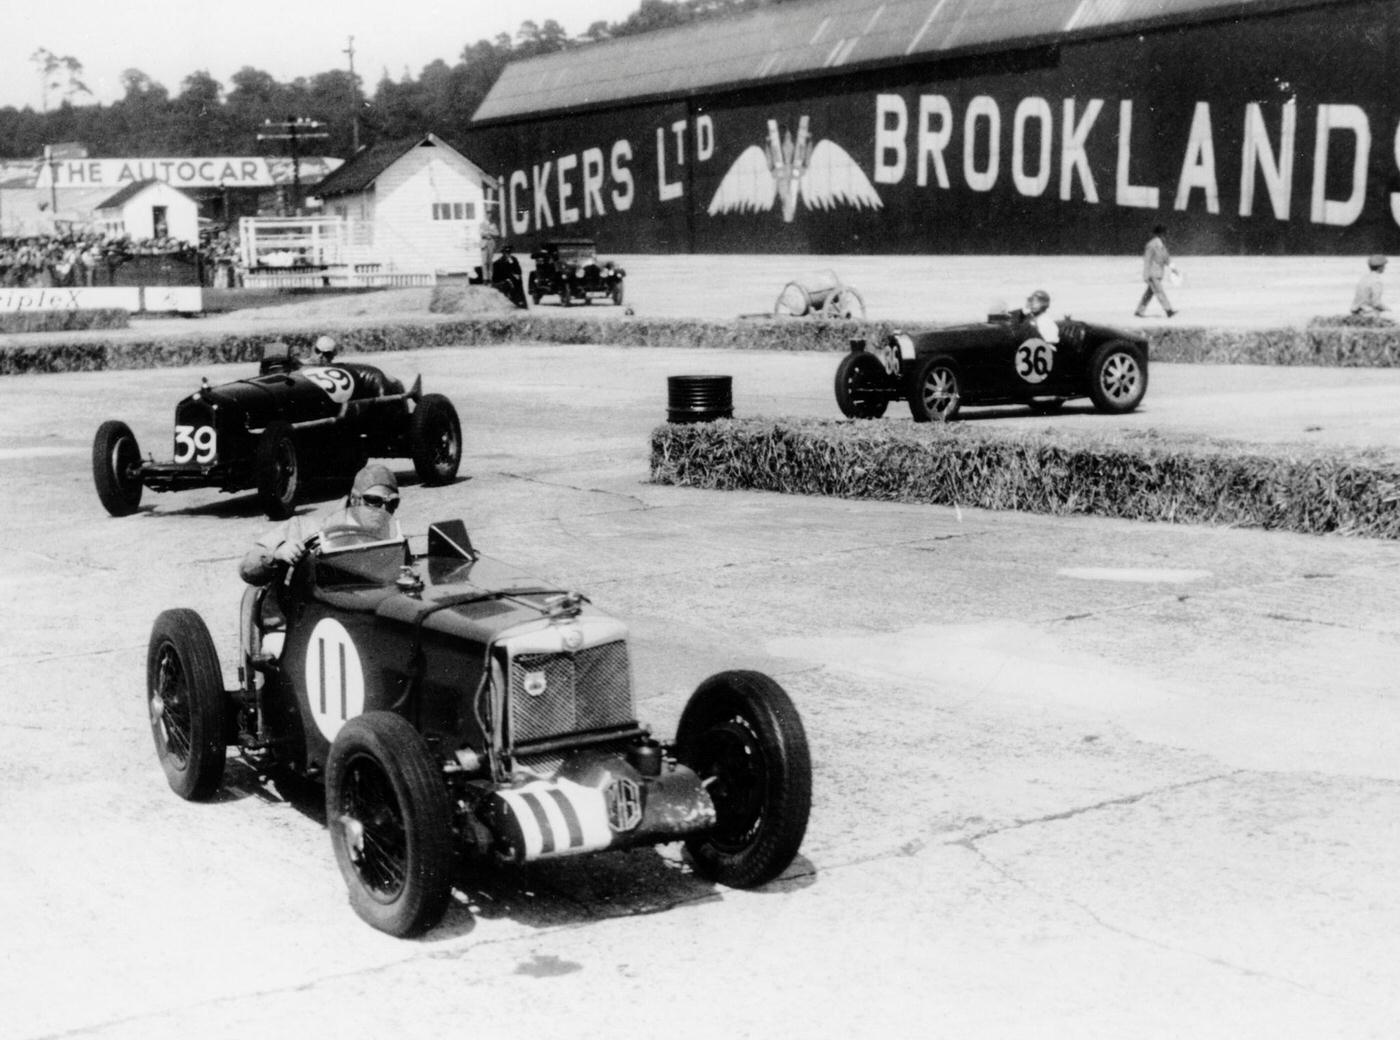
(1074, 778)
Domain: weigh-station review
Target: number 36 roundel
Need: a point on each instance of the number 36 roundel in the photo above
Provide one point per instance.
(1035, 359)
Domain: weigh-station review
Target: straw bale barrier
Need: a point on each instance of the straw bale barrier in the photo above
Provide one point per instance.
(1137, 476)
(183, 342)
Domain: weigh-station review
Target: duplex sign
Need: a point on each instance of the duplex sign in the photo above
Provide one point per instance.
(150, 298)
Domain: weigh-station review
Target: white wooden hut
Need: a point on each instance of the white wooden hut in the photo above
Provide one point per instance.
(398, 213)
(149, 209)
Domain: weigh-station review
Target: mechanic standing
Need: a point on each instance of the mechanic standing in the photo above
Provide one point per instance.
(505, 276)
(1156, 261)
(370, 506)
(1370, 288)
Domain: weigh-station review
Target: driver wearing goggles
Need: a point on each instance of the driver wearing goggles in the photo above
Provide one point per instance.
(368, 513)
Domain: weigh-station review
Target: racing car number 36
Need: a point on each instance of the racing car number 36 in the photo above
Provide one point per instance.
(1034, 360)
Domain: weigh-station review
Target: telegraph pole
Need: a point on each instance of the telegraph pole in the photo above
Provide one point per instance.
(355, 98)
(293, 130)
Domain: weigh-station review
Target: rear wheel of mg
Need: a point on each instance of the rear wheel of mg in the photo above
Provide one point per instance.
(187, 704)
(934, 393)
(116, 468)
(277, 471)
(742, 735)
(1117, 377)
(389, 818)
(435, 438)
(860, 380)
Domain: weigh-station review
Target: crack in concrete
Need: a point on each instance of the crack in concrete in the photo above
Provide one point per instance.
(1147, 940)
(1069, 814)
(1184, 597)
(639, 502)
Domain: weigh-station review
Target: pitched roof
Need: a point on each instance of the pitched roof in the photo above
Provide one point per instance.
(807, 38)
(364, 167)
(133, 189)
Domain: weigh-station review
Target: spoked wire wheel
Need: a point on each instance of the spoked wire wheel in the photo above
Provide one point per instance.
(389, 817)
(186, 703)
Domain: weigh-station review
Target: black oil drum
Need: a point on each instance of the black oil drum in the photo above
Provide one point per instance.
(692, 399)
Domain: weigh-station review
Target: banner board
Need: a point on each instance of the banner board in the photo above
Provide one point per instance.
(1278, 133)
(155, 298)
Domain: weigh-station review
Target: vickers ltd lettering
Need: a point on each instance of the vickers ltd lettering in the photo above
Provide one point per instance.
(595, 183)
(1282, 160)
(583, 185)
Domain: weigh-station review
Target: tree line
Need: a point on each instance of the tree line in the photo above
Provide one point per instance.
(205, 118)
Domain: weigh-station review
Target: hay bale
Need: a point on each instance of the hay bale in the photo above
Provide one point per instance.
(1128, 475)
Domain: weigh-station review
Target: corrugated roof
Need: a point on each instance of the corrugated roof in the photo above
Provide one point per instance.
(807, 37)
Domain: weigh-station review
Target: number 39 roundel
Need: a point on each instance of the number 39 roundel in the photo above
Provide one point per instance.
(335, 679)
(1035, 359)
(338, 384)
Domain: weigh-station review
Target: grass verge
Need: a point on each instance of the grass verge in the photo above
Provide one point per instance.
(184, 343)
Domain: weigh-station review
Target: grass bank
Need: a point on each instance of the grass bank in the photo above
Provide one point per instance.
(184, 343)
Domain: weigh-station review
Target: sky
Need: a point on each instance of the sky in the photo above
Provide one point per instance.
(169, 39)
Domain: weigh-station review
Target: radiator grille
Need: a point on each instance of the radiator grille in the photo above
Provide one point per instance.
(587, 690)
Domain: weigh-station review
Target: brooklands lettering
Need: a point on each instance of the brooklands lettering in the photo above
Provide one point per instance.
(938, 142)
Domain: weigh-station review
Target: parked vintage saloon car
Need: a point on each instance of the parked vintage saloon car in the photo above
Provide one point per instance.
(1000, 361)
(569, 269)
(454, 704)
(278, 431)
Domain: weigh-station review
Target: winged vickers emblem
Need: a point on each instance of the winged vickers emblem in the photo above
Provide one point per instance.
(823, 174)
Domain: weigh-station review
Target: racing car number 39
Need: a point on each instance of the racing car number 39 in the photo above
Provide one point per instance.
(1034, 360)
(336, 382)
(196, 444)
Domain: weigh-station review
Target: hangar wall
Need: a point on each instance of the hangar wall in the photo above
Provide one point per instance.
(1271, 134)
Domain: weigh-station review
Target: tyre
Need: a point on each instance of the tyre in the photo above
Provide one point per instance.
(860, 380)
(389, 818)
(116, 468)
(934, 394)
(277, 470)
(435, 439)
(1117, 377)
(741, 733)
(187, 704)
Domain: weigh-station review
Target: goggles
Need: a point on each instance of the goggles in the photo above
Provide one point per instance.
(380, 502)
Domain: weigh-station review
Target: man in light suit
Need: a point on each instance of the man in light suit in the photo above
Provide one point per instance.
(1156, 262)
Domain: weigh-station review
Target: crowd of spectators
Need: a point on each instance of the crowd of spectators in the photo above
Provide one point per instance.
(79, 258)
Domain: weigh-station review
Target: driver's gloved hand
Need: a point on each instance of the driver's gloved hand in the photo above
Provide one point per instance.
(289, 552)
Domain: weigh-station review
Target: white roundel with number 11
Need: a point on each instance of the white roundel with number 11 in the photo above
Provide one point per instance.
(1035, 359)
(335, 680)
